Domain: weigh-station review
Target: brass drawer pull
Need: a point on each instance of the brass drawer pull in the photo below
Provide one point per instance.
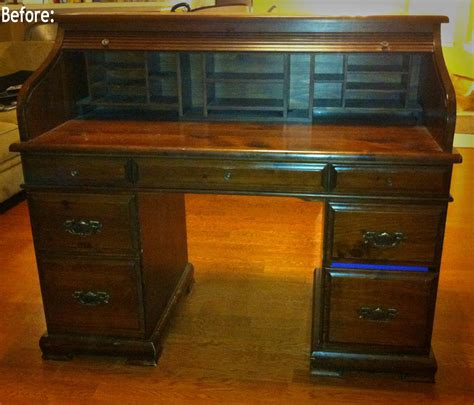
(384, 45)
(90, 298)
(383, 240)
(377, 314)
(228, 176)
(81, 227)
(105, 42)
(74, 173)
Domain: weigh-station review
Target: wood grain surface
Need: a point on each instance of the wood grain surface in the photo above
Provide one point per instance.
(243, 140)
(235, 340)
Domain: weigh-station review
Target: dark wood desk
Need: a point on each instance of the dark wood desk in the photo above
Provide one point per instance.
(130, 112)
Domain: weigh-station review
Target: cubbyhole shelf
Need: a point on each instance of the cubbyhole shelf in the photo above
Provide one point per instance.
(254, 104)
(369, 69)
(234, 77)
(363, 84)
(250, 83)
(145, 80)
(253, 86)
(376, 87)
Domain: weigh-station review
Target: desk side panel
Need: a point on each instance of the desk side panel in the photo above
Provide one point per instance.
(164, 251)
(438, 99)
(48, 97)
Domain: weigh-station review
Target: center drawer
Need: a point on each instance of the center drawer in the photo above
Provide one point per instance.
(93, 296)
(83, 222)
(194, 174)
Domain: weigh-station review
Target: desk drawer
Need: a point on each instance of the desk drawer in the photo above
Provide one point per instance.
(196, 174)
(383, 180)
(380, 309)
(85, 222)
(76, 171)
(385, 232)
(91, 296)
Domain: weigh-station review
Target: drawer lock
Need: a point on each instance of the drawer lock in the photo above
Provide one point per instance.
(90, 298)
(82, 227)
(383, 240)
(377, 314)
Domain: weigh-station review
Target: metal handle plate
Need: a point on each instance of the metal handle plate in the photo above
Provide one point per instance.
(91, 298)
(82, 227)
(383, 240)
(378, 314)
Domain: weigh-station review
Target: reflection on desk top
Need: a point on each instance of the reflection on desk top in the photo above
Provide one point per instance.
(242, 140)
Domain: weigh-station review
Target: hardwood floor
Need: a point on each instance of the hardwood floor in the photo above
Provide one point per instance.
(242, 335)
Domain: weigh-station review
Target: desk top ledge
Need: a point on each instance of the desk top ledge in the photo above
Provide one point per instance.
(119, 20)
(119, 13)
(242, 141)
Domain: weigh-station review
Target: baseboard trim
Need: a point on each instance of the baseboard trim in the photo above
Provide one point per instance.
(12, 201)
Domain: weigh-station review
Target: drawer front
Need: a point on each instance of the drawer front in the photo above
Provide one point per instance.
(85, 222)
(379, 308)
(91, 296)
(379, 232)
(427, 181)
(196, 174)
(76, 171)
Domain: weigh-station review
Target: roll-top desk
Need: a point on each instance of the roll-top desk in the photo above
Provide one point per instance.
(130, 112)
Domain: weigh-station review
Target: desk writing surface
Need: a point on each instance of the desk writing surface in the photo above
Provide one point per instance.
(244, 139)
